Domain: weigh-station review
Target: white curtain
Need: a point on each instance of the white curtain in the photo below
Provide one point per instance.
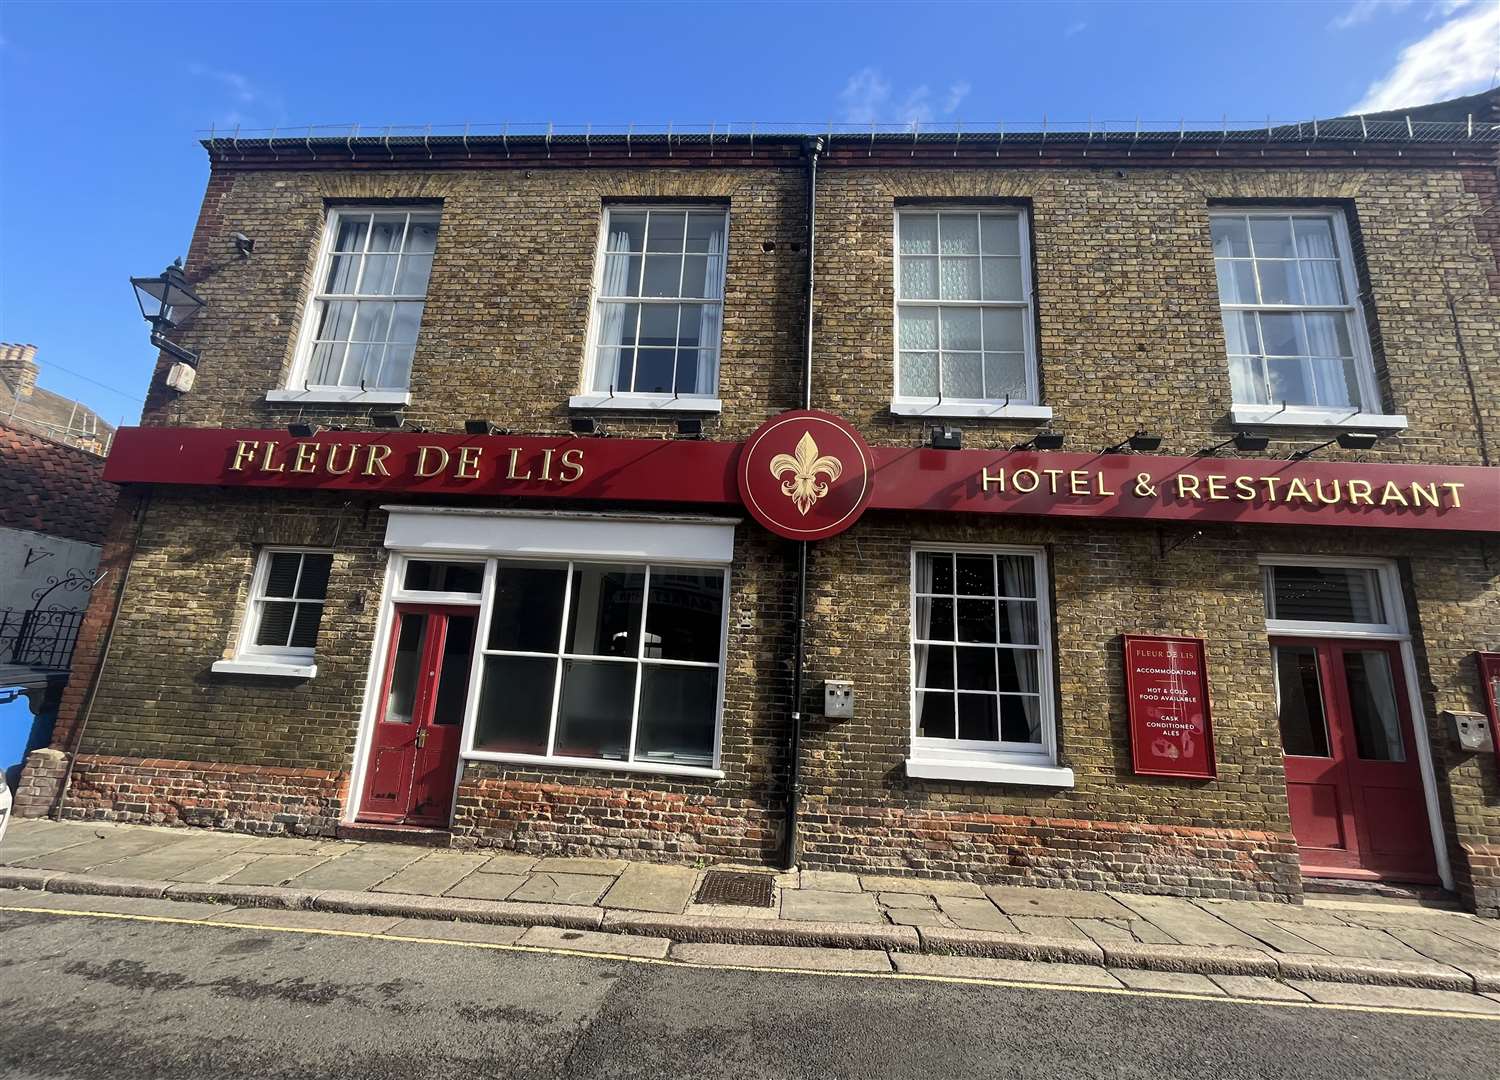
(612, 323)
(1382, 739)
(1018, 578)
(923, 627)
(708, 321)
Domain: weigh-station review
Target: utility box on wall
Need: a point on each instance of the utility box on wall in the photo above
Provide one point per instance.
(838, 699)
(1471, 730)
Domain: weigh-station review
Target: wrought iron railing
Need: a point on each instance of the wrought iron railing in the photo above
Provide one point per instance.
(42, 640)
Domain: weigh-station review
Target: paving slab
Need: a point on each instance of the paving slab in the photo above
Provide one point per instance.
(878, 883)
(959, 942)
(433, 874)
(25, 839)
(974, 914)
(79, 858)
(216, 868)
(1427, 974)
(1398, 997)
(508, 863)
(707, 929)
(1056, 903)
(1185, 921)
(1194, 959)
(1482, 932)
(275, 869)
(652, 887)
(894, 900)
(1229, 910)
(594, 941)
(916, 917)
(298, 845)
(167, 862)
(783, 956)
(125, 905)
(1445, 949)
(1050, 927)
(487, 886)
(561, 865)
(971, 967)
(817, 905)
(467, 932)
(733, 911)
(563, 888)
(310, 920)
(1175, 982)
(1258, 988)
(1355, 941)
(829, 881)
(362, 868)
(1282, 937)
(1105, 932)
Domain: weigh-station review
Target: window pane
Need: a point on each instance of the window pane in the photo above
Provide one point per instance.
(935, 716)
(1002, 279)
(372, 321)
(593, 714)
(1231, 237)
(1236, 281)
(324, 364)
(617, 323)
(1328, 334)
(918, 278)
(1017, 575)
(976, 575)
(1000, 234)
(959, 279)
(622, 276)
(352, 232)
(705, 232)
(1331, 382)
(653, 370)
(528, 607)
(960, 329)
(1004, 330)
(1304, 731)
(663, 276)
(401, 695)
(659, 325)
(425, 576)
(421, 237)
(395, 369)
(387, 232)
(1372, 705)
(1272, 237)
(1289, 382)
(1326, 594)
(336, 320)
(1019, 670)
(695, 371)
(935, 667)
(1005, 373)
(665, 230)
(313, 582)
(281, 573)
(918, 234)
(919, 374)
(976, 668)
(1282, 333)
(976, 620)
(978, 717)
(415, 270)
(627, 230)
(1315, 238)
(1279, 283)
(453, 680)
(1240, 332)
(343, 272)
(1247, 381)
(379, 277)
(935, 618)
(275, 623)
(919, 327)
(963, 375)
(1020, 719)
(515, 704)
(960, 234)
(685, 615)
(1018, 622)
(677, 715)
(604, 616)
(406, 319)
(1322, 282)
(934, 572)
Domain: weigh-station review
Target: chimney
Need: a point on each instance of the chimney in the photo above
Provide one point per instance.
(18, 367)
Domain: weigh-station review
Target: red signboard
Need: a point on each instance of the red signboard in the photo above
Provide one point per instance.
(1489, 675)
(806, 475)
(787, 482)
(1166, 683)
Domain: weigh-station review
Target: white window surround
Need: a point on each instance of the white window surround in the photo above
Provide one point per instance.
(298, 390)
(969, 760)
(267, 667)
(646, 403)
(1269, 416)
(1023, 406)
(284, 661)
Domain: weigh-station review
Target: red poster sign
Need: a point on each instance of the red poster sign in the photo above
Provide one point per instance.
(1166, 683)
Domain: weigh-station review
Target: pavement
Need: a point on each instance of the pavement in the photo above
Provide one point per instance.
(95, 986)
(878, 923)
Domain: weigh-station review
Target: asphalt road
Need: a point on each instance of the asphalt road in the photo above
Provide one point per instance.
(101, 998)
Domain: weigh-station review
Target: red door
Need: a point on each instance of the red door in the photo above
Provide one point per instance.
(1352, 778)
(414, 749)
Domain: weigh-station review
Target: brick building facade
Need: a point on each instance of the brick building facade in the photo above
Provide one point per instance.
(1099, 266)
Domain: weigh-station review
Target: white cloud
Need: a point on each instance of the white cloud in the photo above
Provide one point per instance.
(1077, 26)
(1460, 57)
(864, 96)
(252, 103)
(867, 98)
(1362, 11)
(956, 94)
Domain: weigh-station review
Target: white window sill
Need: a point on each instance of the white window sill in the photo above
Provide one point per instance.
(329, 396)
(279, 669)
(980, 409)
(540, 761)
(990, 772)
(646, 403)
(1332, 419)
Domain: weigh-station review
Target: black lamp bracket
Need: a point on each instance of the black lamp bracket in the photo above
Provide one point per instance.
(177, 352)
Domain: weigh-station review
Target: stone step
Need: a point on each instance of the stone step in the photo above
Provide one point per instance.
(395, 834)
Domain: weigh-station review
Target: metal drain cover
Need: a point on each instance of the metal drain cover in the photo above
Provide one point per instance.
(740, 888)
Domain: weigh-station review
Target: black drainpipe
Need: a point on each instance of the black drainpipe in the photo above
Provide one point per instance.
(813, 147)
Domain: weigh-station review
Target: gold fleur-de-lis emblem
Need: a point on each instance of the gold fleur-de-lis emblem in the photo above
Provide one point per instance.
(805, 465)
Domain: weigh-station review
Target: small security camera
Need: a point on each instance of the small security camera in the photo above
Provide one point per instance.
(242, 243)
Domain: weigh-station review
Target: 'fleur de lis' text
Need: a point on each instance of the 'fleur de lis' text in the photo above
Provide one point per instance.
(803, 486)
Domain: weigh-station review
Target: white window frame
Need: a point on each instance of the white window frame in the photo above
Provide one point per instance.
(1031, 408)
(589, 398)
(1368, 413)
(954, 759)
(297, 389)
(283, 660)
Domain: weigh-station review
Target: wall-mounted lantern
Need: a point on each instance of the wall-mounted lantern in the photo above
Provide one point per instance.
(166, 303)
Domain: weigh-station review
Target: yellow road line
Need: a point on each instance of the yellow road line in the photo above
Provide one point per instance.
(961, 980)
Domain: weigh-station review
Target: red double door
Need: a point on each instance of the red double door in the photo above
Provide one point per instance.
(413, 761)
(1352, 775)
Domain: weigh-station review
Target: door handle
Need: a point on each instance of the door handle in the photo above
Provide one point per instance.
(421, 738)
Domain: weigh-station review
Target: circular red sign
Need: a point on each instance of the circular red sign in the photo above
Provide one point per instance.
(806, 475)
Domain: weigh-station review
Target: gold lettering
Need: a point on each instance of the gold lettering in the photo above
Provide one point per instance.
(1453, 489)
(1099, 488)
(244, 452)
(1245, 487)
(1359, 492)
(1270, 482)
(1421, 492)
(307, 457)
(546, 464)
(1078, 482)
(422, 469)
(570, 462)
(510, 471)
(265, 462)
(333, 453)
(1182, 487)
(1318, 491)
(1035, 480)
(985, 479)
(1392, 493)
(1052, 477)
(375, 455)
(1216, 488)
(468, 463)
(1298, 490)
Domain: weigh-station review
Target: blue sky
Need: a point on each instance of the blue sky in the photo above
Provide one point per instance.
(101, 104)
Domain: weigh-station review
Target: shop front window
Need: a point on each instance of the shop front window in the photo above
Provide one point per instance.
(286, 604)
